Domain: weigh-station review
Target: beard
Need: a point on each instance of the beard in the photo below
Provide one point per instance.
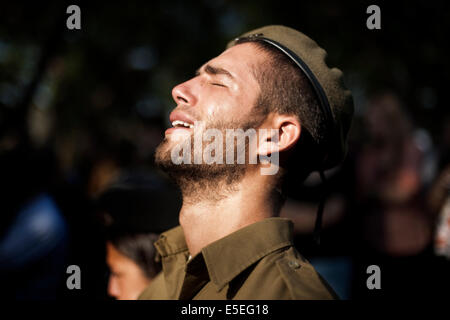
(204, 181)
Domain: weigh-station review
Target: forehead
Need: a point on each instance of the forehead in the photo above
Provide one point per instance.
(241, 61)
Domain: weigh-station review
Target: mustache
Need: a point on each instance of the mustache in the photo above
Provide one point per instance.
(188, 111)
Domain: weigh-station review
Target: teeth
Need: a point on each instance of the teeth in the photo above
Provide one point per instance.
(182, 123)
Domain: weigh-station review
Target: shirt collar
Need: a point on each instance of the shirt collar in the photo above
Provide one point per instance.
(229, 256)
(171, 242)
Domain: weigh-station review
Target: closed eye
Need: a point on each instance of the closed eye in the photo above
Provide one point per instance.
(218, 84)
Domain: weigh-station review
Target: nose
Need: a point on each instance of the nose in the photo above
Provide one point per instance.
(184, 94)
(113, 287)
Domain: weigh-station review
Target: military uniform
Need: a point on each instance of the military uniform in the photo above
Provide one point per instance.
(255, 262)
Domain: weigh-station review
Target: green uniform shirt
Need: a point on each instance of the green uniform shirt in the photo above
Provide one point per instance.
(256, 262)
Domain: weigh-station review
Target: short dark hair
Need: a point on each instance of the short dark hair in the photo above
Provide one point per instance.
(133, 211)
(286, 90)
(139, 248)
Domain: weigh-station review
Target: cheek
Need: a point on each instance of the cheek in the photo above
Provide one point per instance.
(216, 107)
(126, 287)
(226, 108)
(133, 283)
(227, 104)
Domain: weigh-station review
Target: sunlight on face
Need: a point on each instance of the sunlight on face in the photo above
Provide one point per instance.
(222, 95)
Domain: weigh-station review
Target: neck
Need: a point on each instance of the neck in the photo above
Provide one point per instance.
(206, 219)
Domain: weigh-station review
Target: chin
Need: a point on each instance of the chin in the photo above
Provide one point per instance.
(163, 154)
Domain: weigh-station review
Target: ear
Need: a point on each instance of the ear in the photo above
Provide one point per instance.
(282, 133)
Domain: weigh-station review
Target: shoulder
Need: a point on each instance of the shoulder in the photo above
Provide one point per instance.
(286, 275)
(156, 290)
(301, 279)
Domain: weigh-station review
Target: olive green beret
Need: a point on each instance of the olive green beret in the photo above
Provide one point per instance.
(334, 98)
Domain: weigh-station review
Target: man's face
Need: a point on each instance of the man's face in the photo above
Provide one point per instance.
(224, 90)
(222, 95)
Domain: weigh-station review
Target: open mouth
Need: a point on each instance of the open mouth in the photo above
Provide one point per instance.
(182, 124)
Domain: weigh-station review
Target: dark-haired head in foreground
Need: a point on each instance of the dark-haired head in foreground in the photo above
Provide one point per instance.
(134, 210)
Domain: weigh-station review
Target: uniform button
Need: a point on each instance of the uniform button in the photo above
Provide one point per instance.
(294, 264)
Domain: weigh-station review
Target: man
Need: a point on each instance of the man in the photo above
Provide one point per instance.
(231, 244)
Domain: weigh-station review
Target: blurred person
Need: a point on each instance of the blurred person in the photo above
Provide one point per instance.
(438, 198)
(389, 181)
(33, 229)
(394, 220)
(135, 208)
(231, 244)
(131, 259)
(439, 202)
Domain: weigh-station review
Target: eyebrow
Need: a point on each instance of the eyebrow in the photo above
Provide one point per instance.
(215, 71)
